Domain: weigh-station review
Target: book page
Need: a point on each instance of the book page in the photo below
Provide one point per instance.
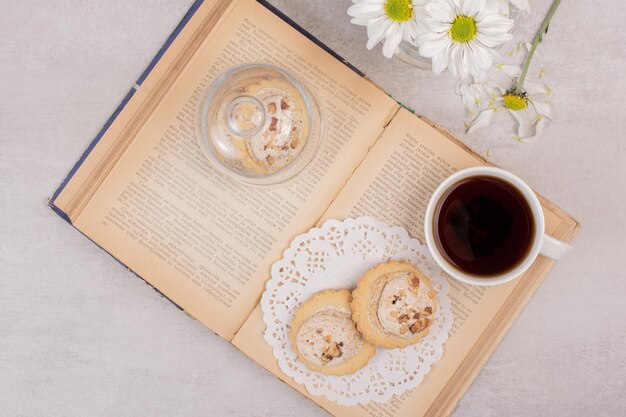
(201, 238)
(394, 184)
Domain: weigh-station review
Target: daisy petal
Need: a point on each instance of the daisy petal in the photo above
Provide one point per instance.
(494, 20)
(472, 7)
(523, 5)
(471, 95)
(466, 97)
(437, 26)
(533, 88)
(440, 10)
(456, 57)
(481, 57)
(366, 10)
(470, 62)
(359, 21)
(431, 48)
(410, 31)
(538, 131)
(392, 40)
(505, 10)
(493, 41)
(376, 31)
(528, 47)
(441, 61)
(542, 109)
(512, 71)
(518, 118)
(483, 119)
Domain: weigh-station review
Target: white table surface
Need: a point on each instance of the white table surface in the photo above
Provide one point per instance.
(81, 336)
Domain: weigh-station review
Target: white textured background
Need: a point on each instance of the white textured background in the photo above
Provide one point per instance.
(80, 336)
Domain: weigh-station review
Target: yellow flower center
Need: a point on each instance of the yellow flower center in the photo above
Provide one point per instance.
(514, 102)
(463, 29)
(399, 10)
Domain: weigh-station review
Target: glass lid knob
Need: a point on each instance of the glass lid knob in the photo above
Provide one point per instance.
(246, 116)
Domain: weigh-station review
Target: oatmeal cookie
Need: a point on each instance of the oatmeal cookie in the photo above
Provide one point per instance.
(324, 336)
(393, 305)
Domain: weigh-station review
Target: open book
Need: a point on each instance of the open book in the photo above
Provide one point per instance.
(145, 192)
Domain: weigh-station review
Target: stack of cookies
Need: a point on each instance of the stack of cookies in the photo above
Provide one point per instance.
(336, 332)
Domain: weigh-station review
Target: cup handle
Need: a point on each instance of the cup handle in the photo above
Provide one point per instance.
(554, 248)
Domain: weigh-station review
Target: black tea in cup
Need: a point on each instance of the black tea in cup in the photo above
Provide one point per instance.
(483, 226)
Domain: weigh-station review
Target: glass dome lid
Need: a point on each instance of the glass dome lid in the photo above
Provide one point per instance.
(259, 124)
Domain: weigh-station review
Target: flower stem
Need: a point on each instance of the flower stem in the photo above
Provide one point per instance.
(538, 38)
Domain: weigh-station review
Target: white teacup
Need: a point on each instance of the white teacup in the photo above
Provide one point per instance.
(540, 242)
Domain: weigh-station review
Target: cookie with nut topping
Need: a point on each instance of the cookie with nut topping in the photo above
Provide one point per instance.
(324, 336)
(393, 305)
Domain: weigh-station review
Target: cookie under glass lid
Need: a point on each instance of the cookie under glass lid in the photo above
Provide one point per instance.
(259, 124)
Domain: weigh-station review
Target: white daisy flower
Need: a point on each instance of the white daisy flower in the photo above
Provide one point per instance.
(530, 108)
(390, 21)
(462, 35)
(481, 91)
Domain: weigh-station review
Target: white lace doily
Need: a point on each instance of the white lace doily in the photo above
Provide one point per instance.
(335, 256)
